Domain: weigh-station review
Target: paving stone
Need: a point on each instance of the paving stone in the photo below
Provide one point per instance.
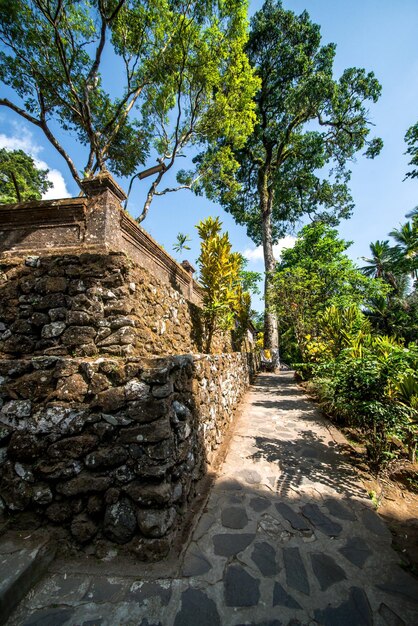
(326, 570)
(401, 583)
(228, 544)
(264, 556)
(282, 598)
(272, 527)
(234, 517)
(195, 563)
(50, 617)
(21, 568)
(228, 484)
(296, 576)
(321, 521)
(251, 477)
(197, 610)
(355, 611)
(390, 618)
(295, 520)
(104, 590)
(235, 499)
(259, 504)
(372, 522)
(241, 589)
(206, 521)
(143, 590)
(336, 509)
(356, 551)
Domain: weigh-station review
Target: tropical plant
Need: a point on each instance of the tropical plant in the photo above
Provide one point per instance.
(381, 262)
(181, 243)
(311, 277)
(406, 250)
(395, 313)
(219, 275)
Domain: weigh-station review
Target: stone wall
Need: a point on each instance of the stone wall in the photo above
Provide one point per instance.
(93, 223)
(90, 304)
(110, 450)
(104, 431)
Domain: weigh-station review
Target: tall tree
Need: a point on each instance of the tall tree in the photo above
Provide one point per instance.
(20, 179)
(182, 78)
(309, 125)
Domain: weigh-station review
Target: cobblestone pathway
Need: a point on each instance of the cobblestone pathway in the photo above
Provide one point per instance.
(288, 537)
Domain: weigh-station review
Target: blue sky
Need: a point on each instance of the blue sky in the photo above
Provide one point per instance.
(380, 35)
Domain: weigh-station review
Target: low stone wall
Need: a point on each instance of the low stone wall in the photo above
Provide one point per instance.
(90, 304)
(111, 449)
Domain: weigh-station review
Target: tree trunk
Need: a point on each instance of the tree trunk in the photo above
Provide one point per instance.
(271, 332)
(16, 186)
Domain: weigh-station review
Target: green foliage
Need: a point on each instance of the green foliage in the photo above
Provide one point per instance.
(309, 125)
(411, 139)
(181, 243)
(226, 305)
(357, 388)
(368, 382)
(250, 280)
(284, 153)
(312, 276)
(396, 313)
(20, 179)
(183, 75)
(331, 313)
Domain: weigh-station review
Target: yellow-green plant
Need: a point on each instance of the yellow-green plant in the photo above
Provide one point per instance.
(406, 392)
(223, 298)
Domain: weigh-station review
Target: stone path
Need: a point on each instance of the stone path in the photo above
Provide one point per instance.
(288, 536)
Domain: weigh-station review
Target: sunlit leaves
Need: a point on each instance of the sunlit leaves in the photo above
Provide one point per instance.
(224, 299)
(20, 179)
(182, 76)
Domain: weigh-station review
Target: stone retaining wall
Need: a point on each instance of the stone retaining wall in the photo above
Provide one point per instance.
(91, 304)
(111, 449)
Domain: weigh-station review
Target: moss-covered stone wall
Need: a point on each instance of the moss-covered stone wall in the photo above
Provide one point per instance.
(110, 450)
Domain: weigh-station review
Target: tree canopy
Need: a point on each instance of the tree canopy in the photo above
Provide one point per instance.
(20, 179)
(180, 78)
(309, 125)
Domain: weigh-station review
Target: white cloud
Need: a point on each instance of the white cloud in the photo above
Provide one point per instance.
(256, 254)
(59, 188)
(25, 142)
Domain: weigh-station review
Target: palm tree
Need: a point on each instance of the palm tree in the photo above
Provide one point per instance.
(380, 264)
(413, 214)
(407, 249)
